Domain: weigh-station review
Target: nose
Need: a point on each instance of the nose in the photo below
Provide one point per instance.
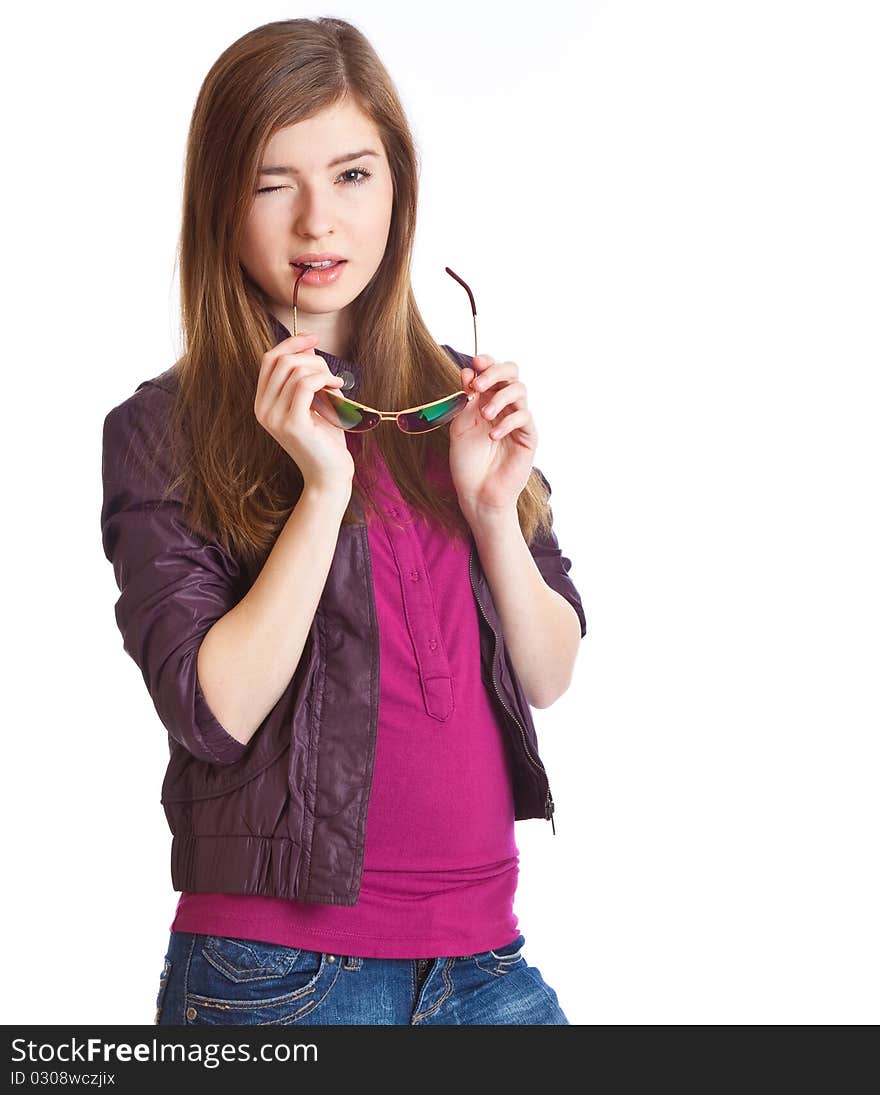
(313, 219)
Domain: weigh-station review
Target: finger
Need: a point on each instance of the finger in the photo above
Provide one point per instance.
(290, 366)
(468, 377)
(295, 344)
(513, 393)
(480, 364)
(496, 373)
(270, 379)
(295, 340)
(278, 395)
(521, 420)
(303, 391)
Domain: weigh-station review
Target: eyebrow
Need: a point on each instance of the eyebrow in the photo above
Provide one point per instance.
(333, 163)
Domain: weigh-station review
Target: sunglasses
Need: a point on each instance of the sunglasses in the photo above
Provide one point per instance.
(346, 414)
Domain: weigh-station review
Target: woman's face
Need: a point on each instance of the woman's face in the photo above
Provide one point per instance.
(323, 201)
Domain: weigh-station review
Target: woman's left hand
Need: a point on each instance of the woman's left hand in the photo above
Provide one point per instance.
(492, 442)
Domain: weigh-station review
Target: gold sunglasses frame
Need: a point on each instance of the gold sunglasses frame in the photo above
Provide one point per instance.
(394, 416)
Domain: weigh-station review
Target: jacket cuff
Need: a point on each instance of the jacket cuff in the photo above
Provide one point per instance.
(558, 580)
(216, 741)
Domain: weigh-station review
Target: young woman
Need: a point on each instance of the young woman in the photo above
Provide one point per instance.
(343, 823)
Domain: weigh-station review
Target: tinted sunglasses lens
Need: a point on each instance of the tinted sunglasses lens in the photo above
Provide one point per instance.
(429, 418)
(342, 413)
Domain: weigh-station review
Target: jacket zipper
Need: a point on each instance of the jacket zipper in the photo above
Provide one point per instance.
(548, 801)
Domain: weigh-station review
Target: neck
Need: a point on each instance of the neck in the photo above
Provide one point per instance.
(332, 328)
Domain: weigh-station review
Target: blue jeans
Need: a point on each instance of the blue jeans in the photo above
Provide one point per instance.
(221, 980)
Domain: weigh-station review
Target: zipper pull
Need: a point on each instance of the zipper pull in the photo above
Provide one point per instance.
(548, 811)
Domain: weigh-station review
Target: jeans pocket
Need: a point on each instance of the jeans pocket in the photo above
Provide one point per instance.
(163, 985)
(503, 959)
(237, 982)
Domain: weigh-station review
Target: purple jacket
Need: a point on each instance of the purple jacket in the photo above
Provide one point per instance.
(284, 815)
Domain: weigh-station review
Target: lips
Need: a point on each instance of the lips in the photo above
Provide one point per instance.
(319, 275)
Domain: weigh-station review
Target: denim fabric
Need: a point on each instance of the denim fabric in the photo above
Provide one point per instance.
(220, 980)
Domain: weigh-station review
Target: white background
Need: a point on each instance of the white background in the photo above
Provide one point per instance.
(669, 215)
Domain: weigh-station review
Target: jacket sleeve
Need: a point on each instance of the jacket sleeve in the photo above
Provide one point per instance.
(173, 584)
(554, 567)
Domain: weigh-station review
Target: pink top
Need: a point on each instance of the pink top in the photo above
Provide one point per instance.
(440, 859)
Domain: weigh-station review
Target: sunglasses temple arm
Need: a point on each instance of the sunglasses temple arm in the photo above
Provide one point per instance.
(458, 279)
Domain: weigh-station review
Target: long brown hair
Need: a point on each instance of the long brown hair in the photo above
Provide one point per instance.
(238, 485)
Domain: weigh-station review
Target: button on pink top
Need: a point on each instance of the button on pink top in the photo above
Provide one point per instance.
(440, 859)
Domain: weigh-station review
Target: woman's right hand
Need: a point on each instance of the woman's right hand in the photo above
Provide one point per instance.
(290, 374)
